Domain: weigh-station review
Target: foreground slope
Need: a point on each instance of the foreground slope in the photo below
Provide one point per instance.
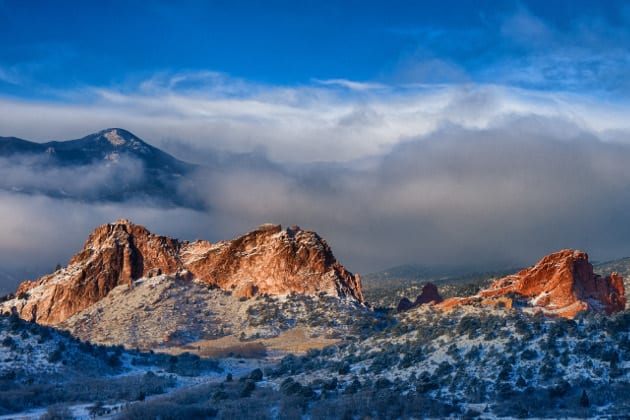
(472, 362)
(268, 260)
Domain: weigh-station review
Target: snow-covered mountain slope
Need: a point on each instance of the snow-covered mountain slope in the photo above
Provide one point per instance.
(111, 165)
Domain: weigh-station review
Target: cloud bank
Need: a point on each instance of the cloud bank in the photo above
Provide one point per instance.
(467, 174)
(510, 193)
(191, 114)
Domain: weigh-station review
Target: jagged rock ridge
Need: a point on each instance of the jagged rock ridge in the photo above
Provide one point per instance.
(561, 284)
(267, 260)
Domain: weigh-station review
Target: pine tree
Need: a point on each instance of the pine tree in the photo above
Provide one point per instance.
(584, 402)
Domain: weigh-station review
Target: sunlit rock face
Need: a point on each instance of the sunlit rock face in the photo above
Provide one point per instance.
(267, 260)
(561, 284)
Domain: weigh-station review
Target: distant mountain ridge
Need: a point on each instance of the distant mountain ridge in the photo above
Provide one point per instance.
(120, 165)
(93, 147)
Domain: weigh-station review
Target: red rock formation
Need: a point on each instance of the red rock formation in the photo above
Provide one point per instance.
(561, 284)
(273, 260)
(267, 260)
(429, 296)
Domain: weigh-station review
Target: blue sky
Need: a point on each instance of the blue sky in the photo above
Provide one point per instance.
(581, 46)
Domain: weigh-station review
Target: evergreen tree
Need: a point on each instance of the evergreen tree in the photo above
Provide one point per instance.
(584, 402)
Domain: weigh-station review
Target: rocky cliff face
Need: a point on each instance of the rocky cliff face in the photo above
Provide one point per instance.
(267, 260)
(561, 284)
(271, 260)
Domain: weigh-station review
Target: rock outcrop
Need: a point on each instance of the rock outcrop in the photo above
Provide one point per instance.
(267, 260)
(561, 284)
(271, 260)
(404, 305)
(429, 295)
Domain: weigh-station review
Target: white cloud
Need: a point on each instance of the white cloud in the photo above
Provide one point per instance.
(299, 124)
(8, 75)
(350, 84)
(526, 29)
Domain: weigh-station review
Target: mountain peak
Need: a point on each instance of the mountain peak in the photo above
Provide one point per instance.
(154, 173)
(119, 132)
(123, 221)
(115, 136)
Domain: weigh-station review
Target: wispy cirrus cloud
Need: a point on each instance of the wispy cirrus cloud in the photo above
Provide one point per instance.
(350, 84)
(299, 124)
(9, 75)
(584, 52)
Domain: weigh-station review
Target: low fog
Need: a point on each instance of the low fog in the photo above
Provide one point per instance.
(505, 194)
(34, 174)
